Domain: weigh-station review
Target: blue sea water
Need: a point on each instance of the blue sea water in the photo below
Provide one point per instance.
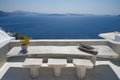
(60, 27)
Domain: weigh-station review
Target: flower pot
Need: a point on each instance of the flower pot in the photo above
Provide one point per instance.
(24, 47)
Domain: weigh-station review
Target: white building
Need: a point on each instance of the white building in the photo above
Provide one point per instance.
(4, 37)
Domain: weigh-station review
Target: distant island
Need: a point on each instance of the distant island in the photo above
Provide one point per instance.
(3, 13)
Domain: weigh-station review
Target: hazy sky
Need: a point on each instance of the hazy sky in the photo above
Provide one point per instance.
(63, 6)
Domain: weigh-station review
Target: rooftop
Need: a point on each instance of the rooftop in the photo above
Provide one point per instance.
(12, 68)
(4, 36)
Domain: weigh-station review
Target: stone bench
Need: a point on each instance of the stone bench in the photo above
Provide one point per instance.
(34, 64)
(57, 64)
(81, 65)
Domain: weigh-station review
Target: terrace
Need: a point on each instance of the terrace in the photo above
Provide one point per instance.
(106, 69)
(11, 68)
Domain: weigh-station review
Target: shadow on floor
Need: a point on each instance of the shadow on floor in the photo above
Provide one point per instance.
(45, 74)
(16, 59)
(101, 72)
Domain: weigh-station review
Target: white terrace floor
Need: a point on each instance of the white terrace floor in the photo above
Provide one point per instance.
(104, 70)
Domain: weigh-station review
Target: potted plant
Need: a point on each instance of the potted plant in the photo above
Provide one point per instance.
(25, 41)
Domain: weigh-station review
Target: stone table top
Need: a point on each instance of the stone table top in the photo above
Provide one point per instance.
(103, 51)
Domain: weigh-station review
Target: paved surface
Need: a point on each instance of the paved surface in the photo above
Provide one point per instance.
(104, 70)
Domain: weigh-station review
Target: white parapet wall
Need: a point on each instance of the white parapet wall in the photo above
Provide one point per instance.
(4, 48)
(115, 47)
(60, 42)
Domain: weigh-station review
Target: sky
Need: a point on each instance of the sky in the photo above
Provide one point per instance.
(63, 6)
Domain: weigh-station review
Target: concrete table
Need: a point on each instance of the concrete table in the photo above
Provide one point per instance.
(57, 64)
(34, 64)
(104, 51)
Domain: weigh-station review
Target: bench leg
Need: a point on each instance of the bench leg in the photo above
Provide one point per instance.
(34, 72)
(57, 72)
(93, 60)
(80, 72)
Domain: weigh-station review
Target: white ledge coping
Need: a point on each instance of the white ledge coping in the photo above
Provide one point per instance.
(114, 42)
(62, 40)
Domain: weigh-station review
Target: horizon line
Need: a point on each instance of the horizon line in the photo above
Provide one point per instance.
(57, 13)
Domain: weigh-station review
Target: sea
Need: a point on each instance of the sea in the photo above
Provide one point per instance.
(60, 27)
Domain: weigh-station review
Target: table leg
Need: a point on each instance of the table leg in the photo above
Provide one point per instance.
(34, 72)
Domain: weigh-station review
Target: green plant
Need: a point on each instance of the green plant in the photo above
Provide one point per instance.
(25, 41)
